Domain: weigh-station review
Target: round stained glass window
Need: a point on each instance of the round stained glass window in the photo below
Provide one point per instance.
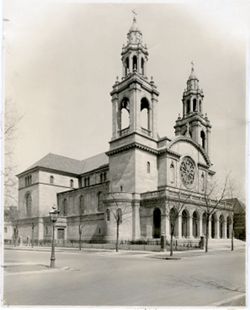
(187, 171)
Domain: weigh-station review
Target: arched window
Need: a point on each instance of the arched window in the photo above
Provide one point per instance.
(51, 179)
(81, 204)
(204, 227)
(119, 216)
(108, 215)
(188, 106)
(71, 183)
(134, 63)
(148, 167)
(157, 223)
(99, 201)
(184, 223)
(194, 105)
(202, 181)
(142, 66)
(144, 117)
(127, 66)
(28, 204)
(200, 106)
(173, 221)
(195, 224)
(172, 172)
(203, 139)
(125, 120)
(121, 188)
(65, 206)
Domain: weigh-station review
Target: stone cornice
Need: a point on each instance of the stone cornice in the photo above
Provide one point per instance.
(39, 168)
(192, 118)
(134, 78)
(132, 146)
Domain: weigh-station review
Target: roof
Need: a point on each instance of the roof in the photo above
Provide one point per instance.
(70, 165)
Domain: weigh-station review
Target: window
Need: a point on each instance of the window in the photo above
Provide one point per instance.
(71, 183)
(103, 177)
(108, 215)
(99, 201)
(188, 106)
(46, 230)
(28, 180)
(134, 63)
(148, 167)
(28, 204)
(172, 172)
(194, 105)
(86, 181)
(203, 139)
(121, 188)
(202, 181)
(51, 179)
(5, 229)
(81, 204)
(142, 66)
(64, 209)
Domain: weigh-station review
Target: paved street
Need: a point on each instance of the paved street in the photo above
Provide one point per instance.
(125, 278)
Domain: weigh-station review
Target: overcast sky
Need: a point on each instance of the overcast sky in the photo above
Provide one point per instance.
(62, 58)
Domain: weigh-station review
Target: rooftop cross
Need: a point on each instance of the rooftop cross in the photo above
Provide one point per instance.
(135, 14)
(192, 64)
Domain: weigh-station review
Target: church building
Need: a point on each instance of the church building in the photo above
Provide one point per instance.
(141, 179)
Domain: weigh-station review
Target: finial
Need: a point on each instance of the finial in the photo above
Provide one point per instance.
(117, 80)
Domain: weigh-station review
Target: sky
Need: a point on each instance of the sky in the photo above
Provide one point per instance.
(62, 57)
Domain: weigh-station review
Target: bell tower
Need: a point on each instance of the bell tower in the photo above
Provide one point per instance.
(133, 146)
(134, 98)
(193, 123)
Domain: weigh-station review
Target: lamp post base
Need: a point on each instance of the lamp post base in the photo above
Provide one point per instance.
(52, 263)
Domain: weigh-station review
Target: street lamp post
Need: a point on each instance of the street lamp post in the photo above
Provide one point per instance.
(53, 217)
(32, 234)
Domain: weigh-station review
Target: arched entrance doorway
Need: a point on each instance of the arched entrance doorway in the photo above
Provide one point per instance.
(228, 226)
(157, 223)
(184, 225)
(213, 226)
(221, 226)
(195, 224)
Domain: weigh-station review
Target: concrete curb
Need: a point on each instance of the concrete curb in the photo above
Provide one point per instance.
(230, 301)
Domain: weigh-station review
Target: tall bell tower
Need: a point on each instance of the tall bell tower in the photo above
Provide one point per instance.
(193, 123)
(134, 98)
(134, 119)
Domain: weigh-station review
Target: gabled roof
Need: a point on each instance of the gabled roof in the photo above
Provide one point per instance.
(70, 165)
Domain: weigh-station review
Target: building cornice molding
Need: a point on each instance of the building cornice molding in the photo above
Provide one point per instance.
(132, 145)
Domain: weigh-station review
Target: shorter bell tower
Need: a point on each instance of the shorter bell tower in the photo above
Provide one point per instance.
(193, 123)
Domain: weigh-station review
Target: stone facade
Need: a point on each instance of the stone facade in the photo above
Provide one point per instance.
(141, 179)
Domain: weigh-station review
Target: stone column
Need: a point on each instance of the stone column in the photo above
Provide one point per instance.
(209, 228)
(225, 229)
(179, 221)
(40, 229)
(115, 117)
(154, 116)
(200, 233)
(136, 221)
(217, 229)
(190, 225)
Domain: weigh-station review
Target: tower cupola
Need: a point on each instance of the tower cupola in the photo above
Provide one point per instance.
(193, 124)
(134, 53)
